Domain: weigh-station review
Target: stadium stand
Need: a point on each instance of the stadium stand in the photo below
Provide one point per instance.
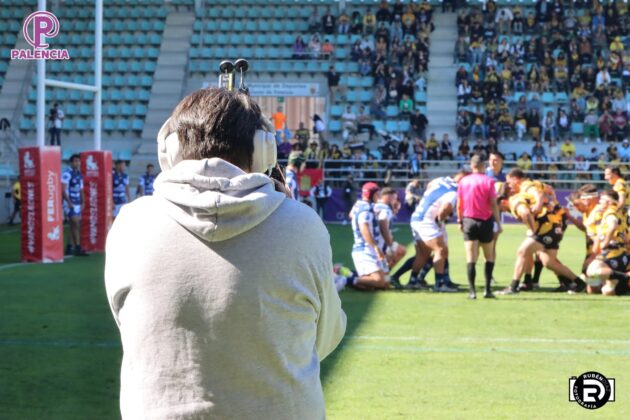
(131, 42)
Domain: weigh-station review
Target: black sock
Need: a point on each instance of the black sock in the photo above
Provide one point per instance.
(446, 268)
(564, 281)
(472, 273)
(617, 275)
(488, 269)
(404, 268)
(514, 285)
(528, 279)
(413, 278)
(425, 269)
(538, 267)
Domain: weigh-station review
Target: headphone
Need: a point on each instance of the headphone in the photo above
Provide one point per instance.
(265, 150)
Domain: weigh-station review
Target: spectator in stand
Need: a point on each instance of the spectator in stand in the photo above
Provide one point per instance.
(620, 125)
(524, 162)
(328, 22)
(463, 125)
(549, 128)
(315, 47)
(463, 93)
(314, 21)
(279, 123)
(349, 122)
(405, 106)
(605, 126)
(446, 148)
(369, 21)
(539, 154)
(534, 123)
(299, 49)
(582, 166)
(432, 148)
(418, 123)
(591, 127)
(567, 149)
(319, 127)
(563, 122)
(624, 151)
(364, 122)
(302, 135)
(333, 82)
(383, 14)
(344, 23)
(413, 195)
(356, 23)
(327, 49)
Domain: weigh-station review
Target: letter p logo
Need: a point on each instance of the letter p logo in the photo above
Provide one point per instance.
(44, 25)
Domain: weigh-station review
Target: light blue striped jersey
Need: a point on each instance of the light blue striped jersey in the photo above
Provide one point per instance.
(439, 191)
(292, 183)
(363, 212)
(383, 211)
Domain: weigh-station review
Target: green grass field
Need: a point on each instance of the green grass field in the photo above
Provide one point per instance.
(405, 354)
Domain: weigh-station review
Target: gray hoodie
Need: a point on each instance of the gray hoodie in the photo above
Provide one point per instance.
(222, 290)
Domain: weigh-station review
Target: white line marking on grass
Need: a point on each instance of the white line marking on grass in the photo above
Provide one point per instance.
(421, 349)
(9, 231)
(60, 343)
(20, 264)
(489, 339)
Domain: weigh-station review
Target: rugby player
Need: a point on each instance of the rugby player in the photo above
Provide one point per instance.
(428, 229)
(120, 188)
(72, 192)
(586, 201)
(531, 203)
(611, 263)
(384, 211)
(145, 183)
(612, 174)
(368, 257)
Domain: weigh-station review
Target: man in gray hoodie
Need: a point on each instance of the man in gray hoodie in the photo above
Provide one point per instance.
(216, 319)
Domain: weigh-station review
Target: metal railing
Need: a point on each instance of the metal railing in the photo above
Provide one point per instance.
(398, 173)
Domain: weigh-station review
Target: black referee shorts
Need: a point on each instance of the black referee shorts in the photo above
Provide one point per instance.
(478, 230)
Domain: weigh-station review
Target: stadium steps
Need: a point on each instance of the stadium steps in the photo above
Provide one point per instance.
(441, 96)
(168, 84)
(12, 94)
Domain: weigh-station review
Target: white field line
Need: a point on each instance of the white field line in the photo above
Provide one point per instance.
(9, 231)
(20, 264)
(488, 339)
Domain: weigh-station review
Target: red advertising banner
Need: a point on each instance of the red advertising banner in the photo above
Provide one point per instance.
(96, 214)
(308, 178)
(42, 214)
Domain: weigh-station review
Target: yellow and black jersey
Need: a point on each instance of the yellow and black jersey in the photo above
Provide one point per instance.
(620, 187)
(529, 186)
(519, 199)
(616, 246)
(591, 221)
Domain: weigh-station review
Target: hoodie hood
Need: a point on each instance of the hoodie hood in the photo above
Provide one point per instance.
(216, 200)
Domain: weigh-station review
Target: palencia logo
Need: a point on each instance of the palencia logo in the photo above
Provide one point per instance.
(38, 26)
(591, 390)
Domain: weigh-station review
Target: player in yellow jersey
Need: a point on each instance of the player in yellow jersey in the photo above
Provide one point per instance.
(586, 201)
(611, 263)
(612, 174)
(545, 225)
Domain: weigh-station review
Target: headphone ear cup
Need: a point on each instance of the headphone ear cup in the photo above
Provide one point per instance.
(265, 151)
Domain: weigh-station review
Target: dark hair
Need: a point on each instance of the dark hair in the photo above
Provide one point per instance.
(615, 170)
(218, 123)
(74, 156)
(499, 154)
(118, 161)
(587, 189)
(612, 194)
(150, 165)
(516, 173)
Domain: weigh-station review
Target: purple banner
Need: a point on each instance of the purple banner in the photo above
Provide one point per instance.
(338, 207)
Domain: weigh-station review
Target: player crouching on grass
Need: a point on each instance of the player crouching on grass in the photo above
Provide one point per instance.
(385, 210)
(368, 257)
(545, 228)
(607, 271)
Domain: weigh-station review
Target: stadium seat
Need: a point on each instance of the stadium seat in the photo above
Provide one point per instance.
(336, 110)
(392, 111)
(391, 126)
(577, 128)
(334, 126)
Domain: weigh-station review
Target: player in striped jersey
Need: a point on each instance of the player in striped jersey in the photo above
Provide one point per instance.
(427, 225)
(384, 211)
(612, 174)
(611, 263)
(368, 257)
(586, 201)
